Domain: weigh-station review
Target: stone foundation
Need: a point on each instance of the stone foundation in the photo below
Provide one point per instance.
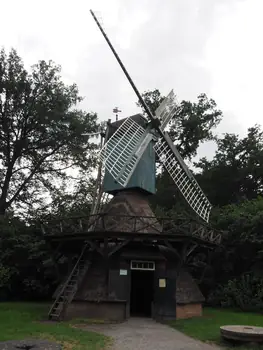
(188, 311)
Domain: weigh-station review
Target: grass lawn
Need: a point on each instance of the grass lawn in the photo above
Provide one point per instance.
(22, 321)
(206, 328)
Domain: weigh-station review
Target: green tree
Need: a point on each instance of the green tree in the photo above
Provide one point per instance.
(236, 171)
(75, 202)
(192, 125)
(26, 270)
(240, 257)
(42, 134)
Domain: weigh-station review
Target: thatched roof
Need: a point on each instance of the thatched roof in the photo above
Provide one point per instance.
(187, 291)
(129, 211)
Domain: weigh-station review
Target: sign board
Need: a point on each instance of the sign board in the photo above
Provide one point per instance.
(162, 283)
(123, 272)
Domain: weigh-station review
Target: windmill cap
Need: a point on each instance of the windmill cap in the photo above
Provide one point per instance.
(138, 118)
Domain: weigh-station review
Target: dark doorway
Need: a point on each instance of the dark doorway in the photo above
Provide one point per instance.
(141, 298)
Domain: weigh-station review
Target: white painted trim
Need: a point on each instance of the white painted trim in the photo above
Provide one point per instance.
(145, 265)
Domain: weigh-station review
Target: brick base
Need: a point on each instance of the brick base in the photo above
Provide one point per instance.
(188, 311)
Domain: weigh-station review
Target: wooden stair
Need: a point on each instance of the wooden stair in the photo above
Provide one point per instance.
(70, 287)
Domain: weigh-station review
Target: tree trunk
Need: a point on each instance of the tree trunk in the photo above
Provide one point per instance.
(5, 187)
(2, 208)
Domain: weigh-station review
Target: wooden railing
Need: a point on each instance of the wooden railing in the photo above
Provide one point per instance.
(130, 224)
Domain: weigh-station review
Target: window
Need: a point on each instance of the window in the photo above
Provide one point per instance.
(142, 265)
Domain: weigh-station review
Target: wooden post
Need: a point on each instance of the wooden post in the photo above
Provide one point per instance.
(106, 265)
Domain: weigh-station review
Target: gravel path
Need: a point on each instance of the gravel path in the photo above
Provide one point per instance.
(146, 334)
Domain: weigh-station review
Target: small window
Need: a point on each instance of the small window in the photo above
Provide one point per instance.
(142, 265)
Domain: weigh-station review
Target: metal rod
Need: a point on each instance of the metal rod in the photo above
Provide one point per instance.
(146, 108)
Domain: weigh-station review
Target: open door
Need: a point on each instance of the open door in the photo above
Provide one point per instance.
(142, 290)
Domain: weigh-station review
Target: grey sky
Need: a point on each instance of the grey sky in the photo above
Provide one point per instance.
(192, 46)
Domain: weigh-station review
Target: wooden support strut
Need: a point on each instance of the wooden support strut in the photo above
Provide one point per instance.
(53, 258)
(95, 246)
(119, 246)
(175, 251)
(106, 264)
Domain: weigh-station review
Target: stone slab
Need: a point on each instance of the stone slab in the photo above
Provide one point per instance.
(242, 333)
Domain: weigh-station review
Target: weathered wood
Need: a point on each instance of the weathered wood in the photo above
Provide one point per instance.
(103, 224)
(53, 258)
(119, 246)
(106, 264)
(128, 230)
(94, 246)
(187, 249)
(175, 251)
(119, 236)
(191, 249)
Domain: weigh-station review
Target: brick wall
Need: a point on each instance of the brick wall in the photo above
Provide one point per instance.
(188, 311)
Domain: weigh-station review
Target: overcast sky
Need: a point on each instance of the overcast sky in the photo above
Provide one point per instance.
(192, 46)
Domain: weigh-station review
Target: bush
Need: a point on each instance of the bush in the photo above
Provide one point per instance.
(23, 253)
(245, 293)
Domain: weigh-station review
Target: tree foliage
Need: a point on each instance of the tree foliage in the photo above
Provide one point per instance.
(230, 275)
(42, 134)
(192, 125)
(244, 292)
(25, 267)
(42, 140)
(237, 168)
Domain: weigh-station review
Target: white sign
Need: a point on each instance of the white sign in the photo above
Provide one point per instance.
(123, 272)
(162, 282)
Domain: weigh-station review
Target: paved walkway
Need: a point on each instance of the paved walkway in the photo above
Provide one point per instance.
(146, 334)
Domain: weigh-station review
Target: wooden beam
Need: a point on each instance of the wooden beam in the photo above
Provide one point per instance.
(54, 258)
(119, 246)
(106, 248)
(169, 245)
(184, 252)
(111, 235)
(191, 249)
(95, 246)
(151, 224)
(106, 264)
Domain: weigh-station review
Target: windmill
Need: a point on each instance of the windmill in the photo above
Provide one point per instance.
(126, 255)
(123, 151)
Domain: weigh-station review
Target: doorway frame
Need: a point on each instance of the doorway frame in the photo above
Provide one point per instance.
(143, 265)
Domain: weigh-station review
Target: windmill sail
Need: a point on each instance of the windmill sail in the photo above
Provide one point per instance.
(119, 154)
(182, 176)
(139, 140)
(121, 161)
(167, 109)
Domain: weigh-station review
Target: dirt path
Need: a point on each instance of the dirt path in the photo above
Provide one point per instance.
(146, 334)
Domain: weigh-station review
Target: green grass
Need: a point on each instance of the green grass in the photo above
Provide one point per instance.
(207, 327)
(23, 321)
